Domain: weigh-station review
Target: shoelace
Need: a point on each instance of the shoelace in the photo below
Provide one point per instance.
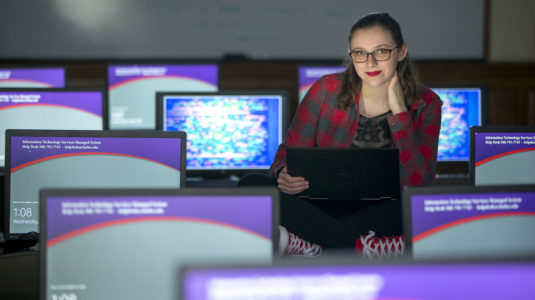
(384, 247)
(297, 246)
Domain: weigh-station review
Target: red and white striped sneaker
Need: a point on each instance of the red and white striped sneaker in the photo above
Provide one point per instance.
(292, 245)
(373, 247)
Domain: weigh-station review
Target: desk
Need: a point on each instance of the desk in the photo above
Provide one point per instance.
(19, 275)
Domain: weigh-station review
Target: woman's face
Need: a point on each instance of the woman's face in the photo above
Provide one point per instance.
(372, 72)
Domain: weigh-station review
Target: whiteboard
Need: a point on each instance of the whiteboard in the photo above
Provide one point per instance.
(211, 29)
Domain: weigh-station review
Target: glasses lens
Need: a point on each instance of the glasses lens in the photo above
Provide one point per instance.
(359, 56)
(382, 54)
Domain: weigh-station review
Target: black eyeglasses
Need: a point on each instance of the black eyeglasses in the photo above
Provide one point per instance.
(361, 56)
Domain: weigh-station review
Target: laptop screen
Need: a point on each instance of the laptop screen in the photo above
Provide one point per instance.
(132, 89)
(470, 222)
(502, 155)
(49, 109)
(227, 131)
(85, 159)
(437, 281)
(128, 244)
(32, 77)
(346, 173)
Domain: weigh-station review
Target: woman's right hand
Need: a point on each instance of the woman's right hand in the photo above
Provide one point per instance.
(289, 184)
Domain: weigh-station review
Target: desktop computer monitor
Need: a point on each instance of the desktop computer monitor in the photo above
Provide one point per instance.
(502, 155)
(32, 77)
(468, 222)
(132, 89)
(128, 244)
(228, 131)
(351, 279)
(38, 159)
(76, 109)
(308, 74)
(462, 108)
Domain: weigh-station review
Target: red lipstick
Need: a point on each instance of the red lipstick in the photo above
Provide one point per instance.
(374, 73)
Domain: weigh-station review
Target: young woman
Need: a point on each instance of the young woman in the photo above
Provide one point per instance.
(377, 102)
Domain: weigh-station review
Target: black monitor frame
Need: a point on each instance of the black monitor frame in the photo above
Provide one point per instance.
(45, 193)
(461, 166)
(77, 133)
(226, 172)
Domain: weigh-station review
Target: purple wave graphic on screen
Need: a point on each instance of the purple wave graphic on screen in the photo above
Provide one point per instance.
(251, 213)
(396, 281)
(14, 169)
(118, 75)
(51, 77)
(494, 145)
(81, 231)
(309, 75)
(90, 102)
(15, 81)
(28, 149)
(152, 78)
(432, 213)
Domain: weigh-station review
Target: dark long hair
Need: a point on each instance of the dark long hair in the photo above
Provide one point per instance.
(408, 77)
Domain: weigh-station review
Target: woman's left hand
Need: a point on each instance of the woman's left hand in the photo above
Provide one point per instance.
(396, 99)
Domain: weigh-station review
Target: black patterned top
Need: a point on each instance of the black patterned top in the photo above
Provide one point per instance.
(373, 132)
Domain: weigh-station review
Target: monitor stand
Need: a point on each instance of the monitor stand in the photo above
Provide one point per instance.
(12, 246)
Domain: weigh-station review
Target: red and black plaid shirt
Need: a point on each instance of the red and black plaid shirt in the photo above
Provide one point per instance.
(320, 123)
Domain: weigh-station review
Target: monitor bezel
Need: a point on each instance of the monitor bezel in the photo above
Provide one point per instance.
(156, 62)
(210, 173)
(77, 133)
(490, 129)
(408, 193)
(45, 193)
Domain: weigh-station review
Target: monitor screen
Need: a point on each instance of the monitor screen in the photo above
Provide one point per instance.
(50, 109)
(462, 108)
(132, 89)
(502, 155)
(32, 77)
(227, 131)
(470, 222)
(38, 159)
(351, 281)
(307, 75)
(128, 244)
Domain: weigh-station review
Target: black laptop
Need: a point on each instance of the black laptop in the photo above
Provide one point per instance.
(346, 173)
